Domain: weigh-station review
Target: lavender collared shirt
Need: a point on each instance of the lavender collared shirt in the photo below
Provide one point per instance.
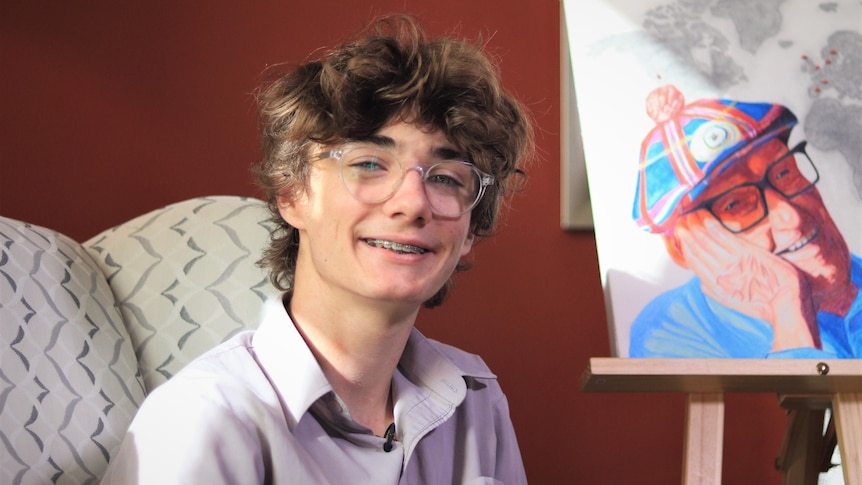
(257, 409)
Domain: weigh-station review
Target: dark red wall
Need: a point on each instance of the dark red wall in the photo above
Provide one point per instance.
(112, 109)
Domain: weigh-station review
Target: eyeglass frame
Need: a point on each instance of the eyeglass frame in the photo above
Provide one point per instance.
(761, 184)
(484, 179)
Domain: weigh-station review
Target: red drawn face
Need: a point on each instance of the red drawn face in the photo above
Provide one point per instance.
(768, 197)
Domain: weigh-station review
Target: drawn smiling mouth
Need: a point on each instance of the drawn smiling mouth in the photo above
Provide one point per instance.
(799, 244)
(396, 247)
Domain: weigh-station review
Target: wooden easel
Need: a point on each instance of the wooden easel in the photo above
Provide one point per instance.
(805, 387)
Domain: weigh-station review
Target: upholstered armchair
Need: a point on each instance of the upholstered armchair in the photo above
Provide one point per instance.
(87, 330)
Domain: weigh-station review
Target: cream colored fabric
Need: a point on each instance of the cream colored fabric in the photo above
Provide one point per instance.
(68, 379)
(185, 278)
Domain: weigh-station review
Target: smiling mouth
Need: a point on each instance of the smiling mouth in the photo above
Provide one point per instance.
(799, 244)
(396, 247)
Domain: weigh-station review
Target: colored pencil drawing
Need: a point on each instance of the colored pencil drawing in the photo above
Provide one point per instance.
(737, 206)
(724, 157)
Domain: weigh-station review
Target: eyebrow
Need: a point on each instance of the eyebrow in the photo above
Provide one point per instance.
(441, 153)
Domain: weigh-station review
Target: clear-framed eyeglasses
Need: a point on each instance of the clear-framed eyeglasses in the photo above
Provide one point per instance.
(744, 206)
(372, 175)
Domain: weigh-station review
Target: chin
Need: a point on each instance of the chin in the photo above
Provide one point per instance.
(821, 271)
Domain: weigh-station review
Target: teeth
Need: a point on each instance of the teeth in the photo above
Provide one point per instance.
(799, 244)
(397, 247)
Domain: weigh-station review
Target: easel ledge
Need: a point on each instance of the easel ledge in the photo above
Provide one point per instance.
(796, 376)
(805, 387)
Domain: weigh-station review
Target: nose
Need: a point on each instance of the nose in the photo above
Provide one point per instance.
(782, 211)
(785, 218)
(410, 198)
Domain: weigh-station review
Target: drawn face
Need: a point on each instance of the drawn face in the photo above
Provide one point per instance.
(767, 191)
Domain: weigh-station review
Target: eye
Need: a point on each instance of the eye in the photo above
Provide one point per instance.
(782, 169)
(366, 164)
(786, 176)
(444, 180)
(737, 202)
(730, 206)
(450, 175)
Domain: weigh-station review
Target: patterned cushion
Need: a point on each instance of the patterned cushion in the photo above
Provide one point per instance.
(68, 380)
(185, 278)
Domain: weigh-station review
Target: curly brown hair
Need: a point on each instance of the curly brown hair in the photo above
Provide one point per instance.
(389, 70)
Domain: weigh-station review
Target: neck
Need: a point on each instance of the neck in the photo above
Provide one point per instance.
(358, 348)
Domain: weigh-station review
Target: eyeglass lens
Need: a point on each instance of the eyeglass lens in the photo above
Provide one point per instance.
(744, 206)
(372, 176)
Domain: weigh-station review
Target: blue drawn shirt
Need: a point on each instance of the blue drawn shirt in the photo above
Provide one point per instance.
(684, 322)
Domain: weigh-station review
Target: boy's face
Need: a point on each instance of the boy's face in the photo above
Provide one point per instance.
(397, 252)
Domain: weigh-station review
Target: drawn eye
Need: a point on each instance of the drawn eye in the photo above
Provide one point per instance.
(737, 202)
(787, 178)
(782, 169)
(729, 205)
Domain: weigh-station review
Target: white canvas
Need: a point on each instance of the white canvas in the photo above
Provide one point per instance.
(773, 51)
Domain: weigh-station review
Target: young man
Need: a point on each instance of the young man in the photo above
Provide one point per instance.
(383, 163)
(736, 205)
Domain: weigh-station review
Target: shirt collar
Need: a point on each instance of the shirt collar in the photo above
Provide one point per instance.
(288, 362)
(440, 368)
(299, 380)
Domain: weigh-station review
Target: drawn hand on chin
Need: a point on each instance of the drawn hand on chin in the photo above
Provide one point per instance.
(749, 279)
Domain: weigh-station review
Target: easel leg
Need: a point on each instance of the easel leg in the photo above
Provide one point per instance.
(847, 408)
(802, 450)
(704, 439)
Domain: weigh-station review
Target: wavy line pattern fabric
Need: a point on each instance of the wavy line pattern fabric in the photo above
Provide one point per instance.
(87, 330)
(69, 382)
(185, 278)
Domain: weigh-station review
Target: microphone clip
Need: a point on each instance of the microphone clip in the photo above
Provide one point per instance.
(389, 435)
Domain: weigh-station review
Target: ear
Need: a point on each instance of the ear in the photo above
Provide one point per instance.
(291, 207)
(674, 248)
(468, 244)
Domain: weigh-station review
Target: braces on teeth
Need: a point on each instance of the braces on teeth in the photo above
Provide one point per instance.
(397, 247)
